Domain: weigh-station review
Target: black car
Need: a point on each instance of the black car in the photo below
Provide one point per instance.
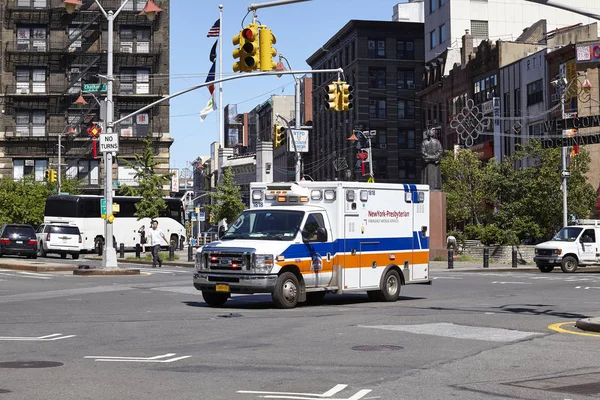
(18, 239)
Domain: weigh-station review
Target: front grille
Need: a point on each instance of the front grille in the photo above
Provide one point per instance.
(223, 279)
(544, 252)
(227, 261)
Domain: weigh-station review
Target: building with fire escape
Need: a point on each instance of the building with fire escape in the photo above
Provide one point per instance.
(50, 58)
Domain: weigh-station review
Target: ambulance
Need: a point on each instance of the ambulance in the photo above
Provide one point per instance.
(300, 241)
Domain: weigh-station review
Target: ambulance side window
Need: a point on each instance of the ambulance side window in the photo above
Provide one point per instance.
(312, 225)
(589, 236)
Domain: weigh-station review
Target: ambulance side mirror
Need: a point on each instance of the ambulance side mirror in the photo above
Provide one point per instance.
(321, 235)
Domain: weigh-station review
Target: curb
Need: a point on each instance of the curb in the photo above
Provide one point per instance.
(105, 272)
(588, 324)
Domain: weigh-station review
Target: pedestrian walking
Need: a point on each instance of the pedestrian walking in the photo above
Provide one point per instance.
(156, 237)
(142, 232)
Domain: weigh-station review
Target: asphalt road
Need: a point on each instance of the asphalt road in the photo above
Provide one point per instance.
(471, 335)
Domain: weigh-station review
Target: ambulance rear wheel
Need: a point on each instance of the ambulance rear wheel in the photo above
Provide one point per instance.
(286, 291)
(390, 290)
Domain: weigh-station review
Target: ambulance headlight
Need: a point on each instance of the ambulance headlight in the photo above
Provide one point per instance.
(200, 261)
(262, 263)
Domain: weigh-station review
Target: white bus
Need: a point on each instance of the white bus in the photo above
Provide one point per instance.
(84, 211)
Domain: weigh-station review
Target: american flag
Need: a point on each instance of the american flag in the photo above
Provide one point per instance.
(214, 30)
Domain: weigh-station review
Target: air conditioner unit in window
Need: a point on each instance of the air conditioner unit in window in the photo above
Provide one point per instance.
(411, 85)
(554, 97)
(126, 49)
(383, 145)
(22, 90)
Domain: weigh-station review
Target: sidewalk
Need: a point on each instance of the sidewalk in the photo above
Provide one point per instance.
(477, 265)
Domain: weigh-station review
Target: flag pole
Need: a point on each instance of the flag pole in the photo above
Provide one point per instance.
(221, 127)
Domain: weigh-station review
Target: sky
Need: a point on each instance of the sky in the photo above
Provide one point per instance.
(300, 28)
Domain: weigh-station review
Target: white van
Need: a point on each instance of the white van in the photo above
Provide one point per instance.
(574, 246)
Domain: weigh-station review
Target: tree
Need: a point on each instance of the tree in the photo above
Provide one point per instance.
(519, 199)
(150, 184)
(226, 200)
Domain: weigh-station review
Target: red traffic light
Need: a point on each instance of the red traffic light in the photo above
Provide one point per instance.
(247, 34)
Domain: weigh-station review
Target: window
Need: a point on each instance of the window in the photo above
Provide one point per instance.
(126, 174)
(443, 33)
(31, 38)
(406, 139)
(74, 39)
(135, 5)
(30, 80)
(536, 130)
(432, 39)
(135, 81)
(405, 49)
(517, 103)
(432, 5)
(506, 104)
(406, 79)
(406, 109)
(479, 29)
(31, 123)
(535, 92)
(32, 3)
(442, 2)
(86, 170)
(315, 221)
(485, 89)
(376, 48)
(407, 169)
(29, 168)
(138, 125)
(377, 108)
(380, 168)
(376, 78)
(381, 139)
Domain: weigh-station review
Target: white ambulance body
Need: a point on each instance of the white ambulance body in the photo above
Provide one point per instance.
(299, 241)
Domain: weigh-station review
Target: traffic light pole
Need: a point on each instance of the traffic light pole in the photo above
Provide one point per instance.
(297, 125)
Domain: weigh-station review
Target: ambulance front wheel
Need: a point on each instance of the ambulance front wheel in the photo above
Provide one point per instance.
(286, 291)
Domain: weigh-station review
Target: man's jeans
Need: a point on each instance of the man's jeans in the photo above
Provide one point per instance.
(156, 256)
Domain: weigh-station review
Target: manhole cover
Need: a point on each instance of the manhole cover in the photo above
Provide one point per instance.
(30, 364)
(379, 347)
(230, 315)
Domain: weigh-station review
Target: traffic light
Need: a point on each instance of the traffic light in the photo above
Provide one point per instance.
(47, 175)
(246, 54)
(345, 96)
(278, 135)
(266, 49)
(332, 96)
(52, 175)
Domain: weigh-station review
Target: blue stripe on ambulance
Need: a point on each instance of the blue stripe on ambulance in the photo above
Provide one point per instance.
(302, 250)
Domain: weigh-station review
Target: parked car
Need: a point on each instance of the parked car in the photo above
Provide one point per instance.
(18, 239)
(59, 239)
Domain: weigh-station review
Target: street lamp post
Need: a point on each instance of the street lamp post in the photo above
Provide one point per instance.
(109, 255)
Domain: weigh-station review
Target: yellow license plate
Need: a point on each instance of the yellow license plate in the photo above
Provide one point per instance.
(222, 288)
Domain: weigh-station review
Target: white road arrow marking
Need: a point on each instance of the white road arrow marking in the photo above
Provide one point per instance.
(309, 396)
(445, 277)
(155, 359)
(513, 283)
(586, 287)
(54, 336)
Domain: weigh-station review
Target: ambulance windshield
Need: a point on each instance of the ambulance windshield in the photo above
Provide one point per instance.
(264, 224)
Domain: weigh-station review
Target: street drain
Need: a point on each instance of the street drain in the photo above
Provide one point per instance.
(379, 347)
(30, 364)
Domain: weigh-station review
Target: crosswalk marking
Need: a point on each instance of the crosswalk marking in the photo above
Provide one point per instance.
(25, 274)
(450, 330)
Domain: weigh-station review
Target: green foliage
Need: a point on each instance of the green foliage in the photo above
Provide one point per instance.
(226, 200)
(517, 200)
(24, 201)
(150, 184)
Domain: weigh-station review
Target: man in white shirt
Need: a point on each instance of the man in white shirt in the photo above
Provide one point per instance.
(155, 237)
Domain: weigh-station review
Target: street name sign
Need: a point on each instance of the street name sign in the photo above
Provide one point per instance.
(109, 142)
(103, 207)
(94, 87)
(201, 216)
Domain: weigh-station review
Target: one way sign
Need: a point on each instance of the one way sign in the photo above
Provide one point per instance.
(109, 142)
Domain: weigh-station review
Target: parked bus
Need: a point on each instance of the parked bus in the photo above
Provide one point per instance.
(84, 211)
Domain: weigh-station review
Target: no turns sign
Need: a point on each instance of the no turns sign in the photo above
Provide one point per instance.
(109, 142)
